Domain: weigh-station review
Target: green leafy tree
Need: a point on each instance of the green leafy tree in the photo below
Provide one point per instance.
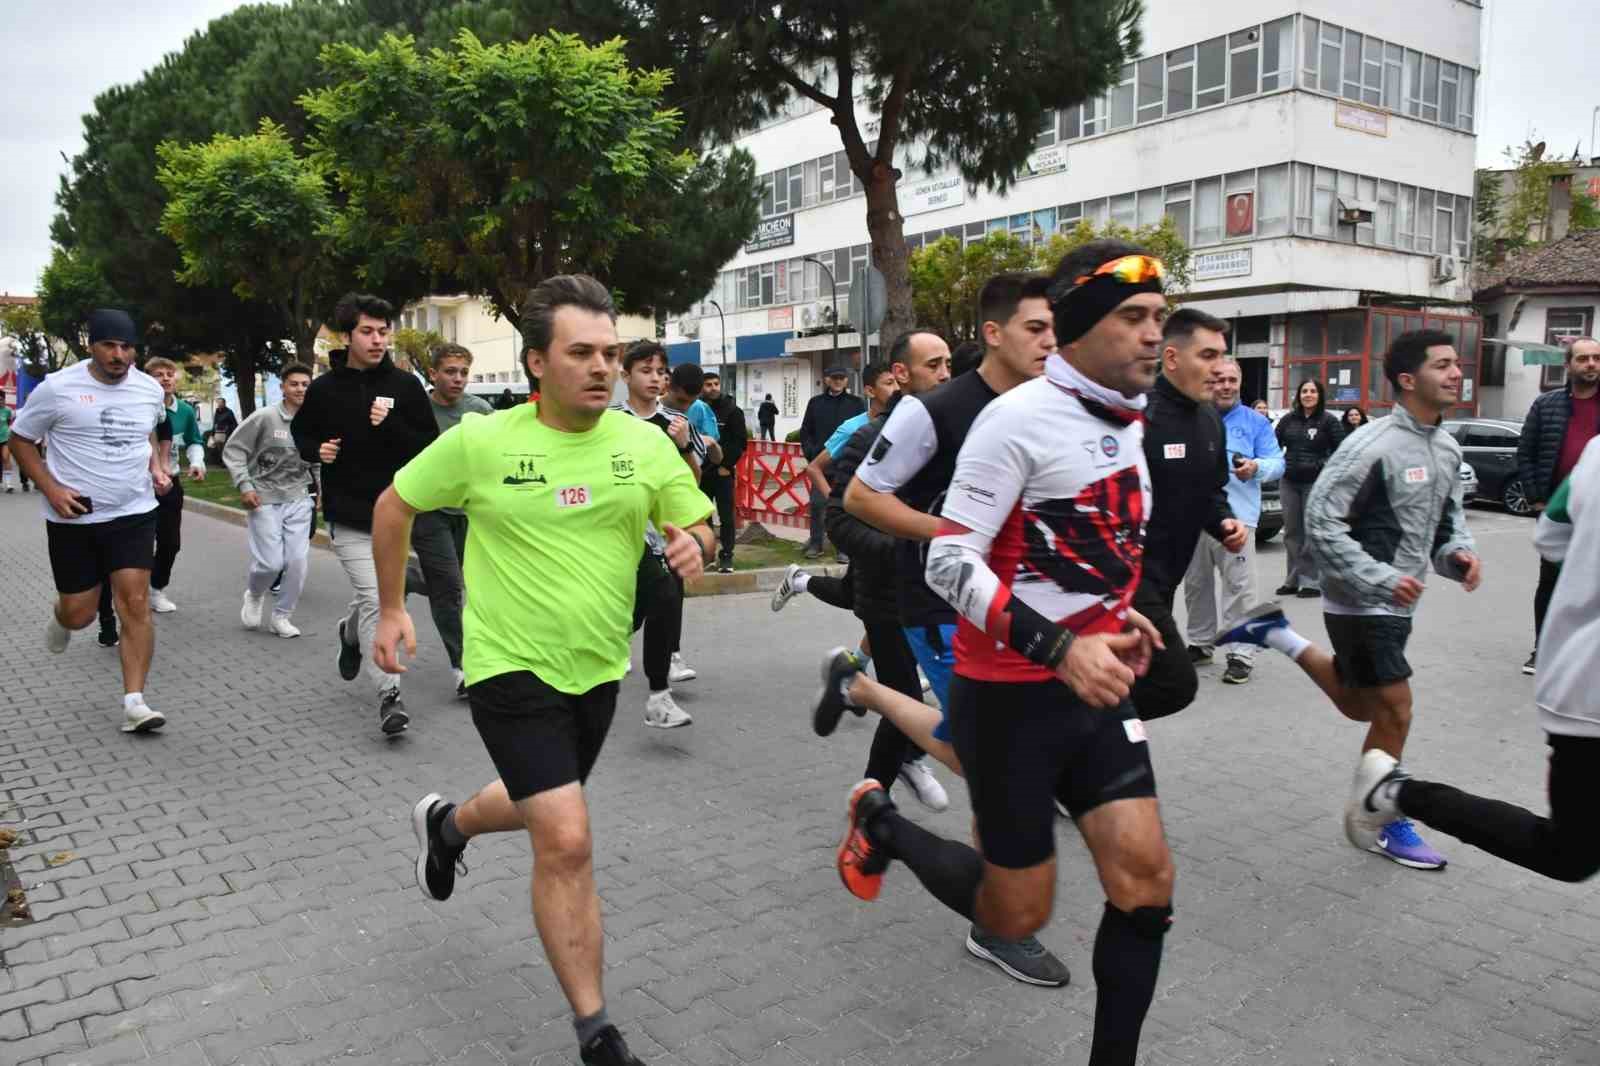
(1585, 212)
(69, 288)
(955, 85)
(499, 165)
(946, 278)
(1162, 239)
(37, 352)
(415, 348)
(1527, 210)
(250, 213)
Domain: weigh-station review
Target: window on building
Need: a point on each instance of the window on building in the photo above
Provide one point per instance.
(1406, 214)
(1463, 227)
(1424, 220)
(1372, 71)
(1122, 99)
(1272, 201)
(974, 231)
(1068, 217)
(1277, 55)
(1302, 199)
(1152, 206)
(1449, 88)
(1180, 80)
(1430, 88)
(1095, 213)
(1244, 63)
(1310, 52)
(1332, 51)
(1324, 197)
(825, 179)
(1393, 71)
(1467, 90)
(1208, 211)
(1047, 131)
(1239, 207)
(1561, 326)
(1306, 335)
(1413, 82)
(1384, 217)
(1178, 207)
(1150, 88)
(1124, 211)
(1444, 224)
(1352, 65)
(1347, 332)
(1367, 193)
(1211, 72)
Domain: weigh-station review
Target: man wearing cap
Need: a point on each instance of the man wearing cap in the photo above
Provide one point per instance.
(100, 482)
(826, 410)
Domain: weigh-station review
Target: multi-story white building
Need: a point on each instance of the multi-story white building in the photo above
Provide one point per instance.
(1318, 156)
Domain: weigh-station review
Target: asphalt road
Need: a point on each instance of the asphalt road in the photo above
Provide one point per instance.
(238, 889)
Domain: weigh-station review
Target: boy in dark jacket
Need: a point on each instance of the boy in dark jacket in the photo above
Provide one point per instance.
(717, 480)
(363, 421)
(1310, 435)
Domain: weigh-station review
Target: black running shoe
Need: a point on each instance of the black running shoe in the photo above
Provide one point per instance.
(437, 862)
(1200, 653)
(108, 638)
(392, 716)
(349, 656)
(1237, 673)
(838, 668)
(1309, 593)
(1287, 590)
(608, 1049)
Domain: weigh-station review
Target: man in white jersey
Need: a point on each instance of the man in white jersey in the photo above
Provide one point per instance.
(98, 419)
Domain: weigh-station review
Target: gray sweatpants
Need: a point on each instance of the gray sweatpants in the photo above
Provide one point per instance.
(1215, 571)
(353, 548)
(280, 539)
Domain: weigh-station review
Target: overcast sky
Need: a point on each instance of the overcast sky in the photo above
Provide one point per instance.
(63, 53)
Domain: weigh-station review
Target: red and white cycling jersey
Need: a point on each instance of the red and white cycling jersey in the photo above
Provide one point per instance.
(1057, 484)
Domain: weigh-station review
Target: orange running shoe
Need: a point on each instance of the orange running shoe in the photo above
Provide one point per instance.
(861, 865)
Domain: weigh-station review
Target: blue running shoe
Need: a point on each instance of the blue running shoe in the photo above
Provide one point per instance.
(1399, 842)
(1256, 624)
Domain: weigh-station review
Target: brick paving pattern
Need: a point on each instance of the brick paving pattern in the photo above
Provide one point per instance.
(240, 886)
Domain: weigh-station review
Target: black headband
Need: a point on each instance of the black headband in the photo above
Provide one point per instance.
(111, 324)
(1080, 307)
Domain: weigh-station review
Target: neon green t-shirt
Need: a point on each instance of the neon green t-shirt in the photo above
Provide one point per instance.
(555, 529)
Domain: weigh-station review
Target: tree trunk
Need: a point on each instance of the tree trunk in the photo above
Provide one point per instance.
(886, 229)
(242, 364)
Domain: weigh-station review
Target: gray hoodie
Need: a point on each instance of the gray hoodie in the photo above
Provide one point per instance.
(1387, 504)
(261, 457)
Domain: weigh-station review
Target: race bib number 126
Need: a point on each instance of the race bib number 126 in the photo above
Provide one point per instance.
(573, 496)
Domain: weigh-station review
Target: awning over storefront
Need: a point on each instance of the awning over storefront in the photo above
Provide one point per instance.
(683, 352)
(761, 345)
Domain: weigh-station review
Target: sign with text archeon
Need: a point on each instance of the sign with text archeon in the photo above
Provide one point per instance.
(932, 194)
(772, 233)
(1230, 263)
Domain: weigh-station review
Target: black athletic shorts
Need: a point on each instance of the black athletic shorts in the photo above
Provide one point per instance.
(1369, 650)
(1025, 745)
(82, 554)
(539, 738)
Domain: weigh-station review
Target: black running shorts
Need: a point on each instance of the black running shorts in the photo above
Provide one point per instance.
(1025, 745)
(539, 738)
(1369, 650)
(82, 554)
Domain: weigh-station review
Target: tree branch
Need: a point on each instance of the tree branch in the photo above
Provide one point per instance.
(893, 106)
(800, 85)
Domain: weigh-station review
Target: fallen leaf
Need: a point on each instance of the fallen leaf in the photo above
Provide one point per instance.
(61, 858)
(17, 896)
(8, 837)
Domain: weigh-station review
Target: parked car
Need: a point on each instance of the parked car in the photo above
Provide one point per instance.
(1489, 446)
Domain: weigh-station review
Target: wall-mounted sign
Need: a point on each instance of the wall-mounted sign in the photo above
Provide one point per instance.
(1046, 161)
(1241, 214)
(932, 194)
(780, 318)
(772, 233)
(1229, 263)
(1361, 119)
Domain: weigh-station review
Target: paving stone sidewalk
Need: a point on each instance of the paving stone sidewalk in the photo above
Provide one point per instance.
(238, 888)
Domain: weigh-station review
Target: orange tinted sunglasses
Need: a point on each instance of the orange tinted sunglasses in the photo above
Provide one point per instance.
(1130, 270)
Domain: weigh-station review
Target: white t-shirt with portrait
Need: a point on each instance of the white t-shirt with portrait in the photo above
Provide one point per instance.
(97, 438)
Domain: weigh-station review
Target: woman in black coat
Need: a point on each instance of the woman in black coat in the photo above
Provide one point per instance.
(1309, 434)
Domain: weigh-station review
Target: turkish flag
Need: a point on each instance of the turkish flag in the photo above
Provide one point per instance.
(1241, 214)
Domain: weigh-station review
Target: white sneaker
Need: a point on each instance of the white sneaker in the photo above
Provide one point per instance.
(786, 590)
(927, 787)
(160, 604)
(141, 719)
(680, 670)
(281, 626)
(661, 711)
(249, 614)
(1372, 798)
(56, 635)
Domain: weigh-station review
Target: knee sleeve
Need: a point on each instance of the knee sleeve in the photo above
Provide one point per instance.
(1151, 923)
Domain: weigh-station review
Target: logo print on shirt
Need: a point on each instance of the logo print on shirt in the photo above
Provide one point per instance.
(1089, 542)
(880, 449)
(1108, 444)
(523, 470)
(1311, 433)
(622, 466)
(1416, 475)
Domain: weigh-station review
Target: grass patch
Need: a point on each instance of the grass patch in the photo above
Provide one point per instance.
(775, 552)
(217, 488)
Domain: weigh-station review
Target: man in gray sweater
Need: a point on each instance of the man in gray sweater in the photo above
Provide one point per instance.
(274, 487)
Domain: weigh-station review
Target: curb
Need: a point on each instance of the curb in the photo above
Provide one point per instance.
(745, 581)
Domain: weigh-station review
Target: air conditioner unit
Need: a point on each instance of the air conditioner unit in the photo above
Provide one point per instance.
(689, 327)
(815, 315)
(1356, 212)
(1444, 268)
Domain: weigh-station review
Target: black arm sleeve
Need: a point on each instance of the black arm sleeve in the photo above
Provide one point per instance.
(306, 426)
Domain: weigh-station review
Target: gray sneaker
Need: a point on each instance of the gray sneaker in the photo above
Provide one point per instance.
(1025, 960)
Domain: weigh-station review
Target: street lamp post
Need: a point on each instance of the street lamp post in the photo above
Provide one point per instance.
(835, 287)
(724, 320)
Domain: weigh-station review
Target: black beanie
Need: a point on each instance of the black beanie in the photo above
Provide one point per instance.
(111, 324)
(1080, 308)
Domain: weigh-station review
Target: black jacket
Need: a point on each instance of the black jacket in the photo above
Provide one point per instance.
(338, 406)
(822, 417)
(1308, 441)
(767, 414)
(1186, 448)
(1543, 432)
(871, 550)
(732, 432)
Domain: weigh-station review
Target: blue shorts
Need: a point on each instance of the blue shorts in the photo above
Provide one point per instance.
(934, 647)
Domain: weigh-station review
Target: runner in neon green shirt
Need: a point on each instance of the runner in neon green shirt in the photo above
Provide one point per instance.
(556, 495)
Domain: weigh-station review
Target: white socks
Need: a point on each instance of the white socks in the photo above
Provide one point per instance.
(132, 700)
(1287, 641)
(801, 580)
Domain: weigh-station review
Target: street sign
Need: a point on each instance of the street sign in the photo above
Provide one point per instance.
(869, 300)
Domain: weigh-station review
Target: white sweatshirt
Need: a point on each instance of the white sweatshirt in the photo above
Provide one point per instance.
(1569, 646)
